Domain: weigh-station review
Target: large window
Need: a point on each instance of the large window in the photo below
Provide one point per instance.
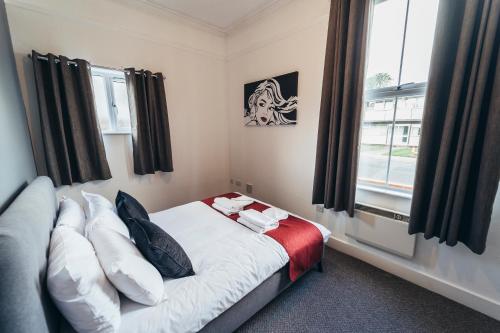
(401, 37)
(111, 100)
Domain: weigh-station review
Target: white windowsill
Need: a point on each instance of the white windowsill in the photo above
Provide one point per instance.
(117, 133)
(385, 199)
(384, 191)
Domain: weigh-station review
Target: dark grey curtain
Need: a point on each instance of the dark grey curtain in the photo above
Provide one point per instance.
(149, 117)
(74, 151)
(341, 104)
(458, 167)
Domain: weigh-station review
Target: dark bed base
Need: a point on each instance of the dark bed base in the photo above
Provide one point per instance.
(254, 301)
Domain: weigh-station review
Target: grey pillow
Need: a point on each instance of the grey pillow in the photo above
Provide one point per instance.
(160, 249)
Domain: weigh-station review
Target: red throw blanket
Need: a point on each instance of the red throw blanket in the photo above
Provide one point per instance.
(302, 240)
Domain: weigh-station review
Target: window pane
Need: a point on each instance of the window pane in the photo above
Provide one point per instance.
(101, 102)
(386, 40)
(390, 131)
(405, 143)
(375, 141)
(379, 110)
(121, 107)
(419, 38)
(373, 160)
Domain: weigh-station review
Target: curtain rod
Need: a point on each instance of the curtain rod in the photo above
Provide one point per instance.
(71, 62)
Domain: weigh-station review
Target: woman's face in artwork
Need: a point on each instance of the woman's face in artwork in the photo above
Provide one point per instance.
(264, 109)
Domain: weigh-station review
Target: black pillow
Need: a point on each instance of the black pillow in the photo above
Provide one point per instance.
(160, 249)
(129, 208)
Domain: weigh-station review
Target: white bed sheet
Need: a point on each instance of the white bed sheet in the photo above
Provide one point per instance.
(212, 242)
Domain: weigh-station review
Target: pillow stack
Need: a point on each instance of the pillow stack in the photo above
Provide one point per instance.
(122, 263)
(75, 278)
(92, 257)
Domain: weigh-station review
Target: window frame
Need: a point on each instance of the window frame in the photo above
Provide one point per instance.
(111, 76)
(394, 92)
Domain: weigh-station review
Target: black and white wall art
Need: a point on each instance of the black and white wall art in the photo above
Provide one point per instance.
(271, 102)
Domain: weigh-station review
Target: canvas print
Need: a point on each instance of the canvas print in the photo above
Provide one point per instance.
(272, 102)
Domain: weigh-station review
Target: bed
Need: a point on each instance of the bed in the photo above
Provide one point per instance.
(238, 271)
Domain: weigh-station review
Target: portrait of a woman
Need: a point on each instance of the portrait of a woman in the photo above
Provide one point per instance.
(267, 106)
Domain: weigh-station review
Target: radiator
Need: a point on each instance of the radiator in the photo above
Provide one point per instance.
(381, 229)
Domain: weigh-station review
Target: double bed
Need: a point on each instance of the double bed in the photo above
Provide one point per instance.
(237, 270)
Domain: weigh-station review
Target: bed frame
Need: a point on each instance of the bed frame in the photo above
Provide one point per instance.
(26, 306)
(254, 301)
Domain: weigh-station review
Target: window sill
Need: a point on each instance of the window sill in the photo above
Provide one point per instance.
(117, 133)
(384, 191)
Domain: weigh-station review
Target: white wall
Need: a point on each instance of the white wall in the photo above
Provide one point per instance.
(109, 34)
(279, 162)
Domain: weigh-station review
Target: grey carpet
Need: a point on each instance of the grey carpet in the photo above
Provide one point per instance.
(352, 296)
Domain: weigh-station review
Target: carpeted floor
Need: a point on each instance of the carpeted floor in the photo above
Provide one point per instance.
(352, 296)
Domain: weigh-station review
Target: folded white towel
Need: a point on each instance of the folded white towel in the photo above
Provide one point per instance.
(223, 210)
(234, 205)
(276, 213)
(226, 203)
(242, 201)
(243, 198)
(256, 228)
(257, 218)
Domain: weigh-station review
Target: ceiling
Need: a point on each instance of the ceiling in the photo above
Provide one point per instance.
(219, 14)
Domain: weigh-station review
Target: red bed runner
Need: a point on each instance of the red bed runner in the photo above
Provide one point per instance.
(302, 240)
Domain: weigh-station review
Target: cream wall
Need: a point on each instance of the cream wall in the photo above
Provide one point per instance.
(279, 162)
(107, 33)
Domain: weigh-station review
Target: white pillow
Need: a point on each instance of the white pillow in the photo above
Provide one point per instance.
(71, 215)
(126, 268)
(108, 219)
(78, 285)
(95, 203)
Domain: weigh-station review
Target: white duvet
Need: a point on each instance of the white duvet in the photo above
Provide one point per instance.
(229, 261)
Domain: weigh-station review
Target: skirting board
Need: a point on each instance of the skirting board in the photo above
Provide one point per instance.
(456, 293)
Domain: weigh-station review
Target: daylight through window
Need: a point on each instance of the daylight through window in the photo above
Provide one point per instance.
(110, 92)
(400, 45)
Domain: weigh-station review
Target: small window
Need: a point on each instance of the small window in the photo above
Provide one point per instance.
(111, 99)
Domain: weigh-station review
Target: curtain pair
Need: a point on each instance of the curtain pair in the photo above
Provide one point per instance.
(458, 167)
(71, 148)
